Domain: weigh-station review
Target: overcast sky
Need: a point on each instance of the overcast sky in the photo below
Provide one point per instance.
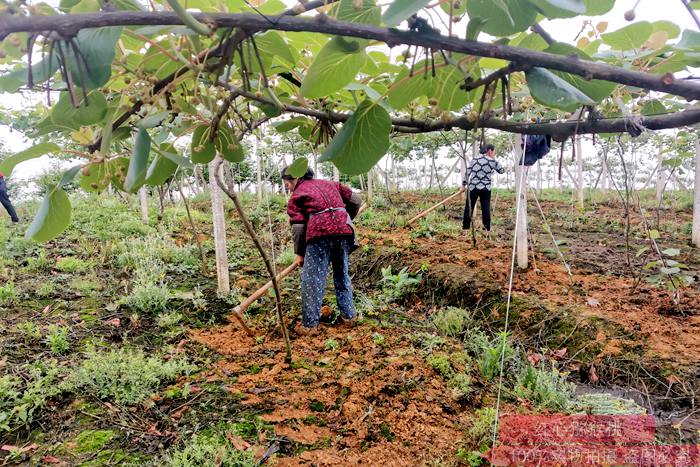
(564, 30)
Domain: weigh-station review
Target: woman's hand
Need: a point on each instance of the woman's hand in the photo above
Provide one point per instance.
(299, 260)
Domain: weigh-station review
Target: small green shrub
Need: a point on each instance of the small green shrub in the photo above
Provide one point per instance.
(148, 297)
(461, 385)
(287, 257)
(21, 399)
(46, 289)
(378, 339)
(57, 339)
(365, 305)
(605, 404)
(396, 286)
(669, 273)
(40, 262)
(480, 434)
(8, 294)
(546, 389)
(452, 321)
(432, 226)
(210, 450)
(126, 376)
(29, 331)
(149, 294)
(169, 320)
(71, 264)
(471, 458)
(440, 363)
(85, 285)
(428, 342)
(331, 344)
(491, 355)
(159, 249)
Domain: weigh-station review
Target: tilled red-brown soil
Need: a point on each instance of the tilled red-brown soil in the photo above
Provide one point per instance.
(363, 403)
(644, 313)
(372, 403)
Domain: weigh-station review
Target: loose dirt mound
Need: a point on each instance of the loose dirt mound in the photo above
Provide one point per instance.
(371, 400)
(642, 313)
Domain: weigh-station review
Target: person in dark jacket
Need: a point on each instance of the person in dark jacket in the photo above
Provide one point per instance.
(320, 212)
(478, 178)
(5, 200)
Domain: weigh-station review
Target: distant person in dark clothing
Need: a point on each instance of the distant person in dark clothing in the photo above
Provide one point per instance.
(5, 200)
(478, 179)
(320, 212)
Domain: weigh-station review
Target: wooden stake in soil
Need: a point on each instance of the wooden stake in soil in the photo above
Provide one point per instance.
(217, 207)
(431, 209)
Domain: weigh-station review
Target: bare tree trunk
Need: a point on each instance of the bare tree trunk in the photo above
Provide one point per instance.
(228, 174)
(199, 178)
(579, 168)
(143, 201)
(432, 164)
(370, 186)
(605, 177)
(217, 209)
(539, 177)
(660, 182)
(696, 197)
(521, 241)
(679, 182)
(258, 169)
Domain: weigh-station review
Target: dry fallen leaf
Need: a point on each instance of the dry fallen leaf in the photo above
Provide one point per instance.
(534, 358)
(238, 442)
(558, 354)
(593, 375)
(10, 447)
(673, 379)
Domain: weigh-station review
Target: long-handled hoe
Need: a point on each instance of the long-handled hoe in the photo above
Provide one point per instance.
(430, 209)
(240, 309)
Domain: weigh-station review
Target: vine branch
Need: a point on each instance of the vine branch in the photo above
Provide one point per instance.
(558, 130)
(392, 37)
(268, 264)
(692, 12)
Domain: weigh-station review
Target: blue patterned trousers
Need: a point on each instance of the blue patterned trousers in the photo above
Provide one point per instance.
(321, 253)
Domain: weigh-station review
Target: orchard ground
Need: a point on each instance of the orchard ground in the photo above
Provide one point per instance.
(116, 348)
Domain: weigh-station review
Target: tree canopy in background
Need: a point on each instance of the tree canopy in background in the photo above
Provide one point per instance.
(137, 90)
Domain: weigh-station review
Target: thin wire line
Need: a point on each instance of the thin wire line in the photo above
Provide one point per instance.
(551, 234)
(523, 177)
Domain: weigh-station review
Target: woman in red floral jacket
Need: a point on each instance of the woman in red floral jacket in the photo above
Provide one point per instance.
(320, 212)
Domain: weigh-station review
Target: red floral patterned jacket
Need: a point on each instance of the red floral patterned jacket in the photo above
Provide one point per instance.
(319, 208)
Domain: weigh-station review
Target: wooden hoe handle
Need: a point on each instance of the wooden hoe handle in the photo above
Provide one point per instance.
(238, 311)
(429, 210)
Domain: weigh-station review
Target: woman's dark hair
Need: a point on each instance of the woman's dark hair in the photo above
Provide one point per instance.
(486, 148)
(307, 176)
